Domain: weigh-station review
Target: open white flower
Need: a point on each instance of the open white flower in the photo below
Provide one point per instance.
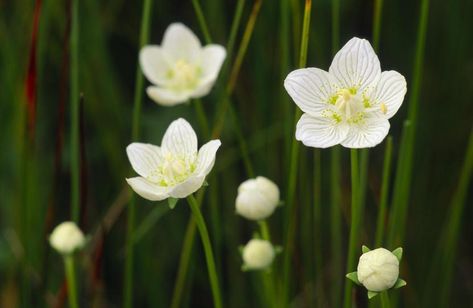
(257, 198)
(258, 254)
(348, 105)
(67, 238)
(180, 68)
(176, 169)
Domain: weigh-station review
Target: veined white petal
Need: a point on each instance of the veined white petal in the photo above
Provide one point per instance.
(144, 158)
(389, 93)
(212, 59)
(206, 157)
(368, 133)
(202, 89)
(168, 97)
(189, 186)
(180, 43)
(356, 65)
(320, 131)
(180, 138)
(147, 189)
(310, 88)
(154, 64)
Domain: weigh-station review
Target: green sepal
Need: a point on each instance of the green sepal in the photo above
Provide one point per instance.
(372, 294)
(244, 268)
(241, 248)
(205, 184)
(365, 249)
(353, 276)
(280, 203)
(172, 202)
(398, 253)
(399, 283)
(278, 249)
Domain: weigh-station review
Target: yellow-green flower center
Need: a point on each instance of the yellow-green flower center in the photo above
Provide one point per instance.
(173, 169)
(349, 106)
(183, 75)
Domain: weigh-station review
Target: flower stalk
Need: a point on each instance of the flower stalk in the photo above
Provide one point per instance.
(71, 281)
(204, 235)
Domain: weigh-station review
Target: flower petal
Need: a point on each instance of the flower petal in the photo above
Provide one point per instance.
(144, 158)
(147, 189)
(154, 64)
(321, 131)
(168, 97)
(212, 59)
(180, 43)
(356, 65)
(390, 92)
(367, 134)
(206, 157)
(180, 138)
(189, 186)
(310, 88)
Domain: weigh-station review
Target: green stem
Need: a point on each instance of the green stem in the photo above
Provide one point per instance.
(263, 224)
(377, 16)
(74, 99)
(317, 221)
(71, 281)
(448, 249)
(335, 184)
(380, 226)
(290, 231)
(234, 29)
(138, 97)
(204, 235)
(202, 21)
(201, 117)
(385, 300)
(355, 223)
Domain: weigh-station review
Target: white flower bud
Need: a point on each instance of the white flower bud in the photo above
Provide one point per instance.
(257, 198)
(66, 238)
(258, 254)
(378, 270)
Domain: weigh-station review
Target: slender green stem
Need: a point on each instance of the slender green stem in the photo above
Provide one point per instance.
(380, 226)
(202, 21)
(335, 185)
(71, 281)
(317, 221)
(448, 249)
(377, 16)
(234, 29)
(291, 208)
(384, 297)
(138, 97)
(241, 142)
(204, 235)
(355, 223)
(263, 224)
(404, 189)
(201, 117)
(184, 260)
(74, 100)
(336, 224)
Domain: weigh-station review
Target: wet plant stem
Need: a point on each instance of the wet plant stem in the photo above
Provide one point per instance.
(71, 281)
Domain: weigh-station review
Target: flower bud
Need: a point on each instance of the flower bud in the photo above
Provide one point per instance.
(258, 254)
(67, 238)
(378, 270)
(257, 198)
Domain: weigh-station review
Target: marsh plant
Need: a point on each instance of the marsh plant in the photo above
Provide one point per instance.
(283, 135)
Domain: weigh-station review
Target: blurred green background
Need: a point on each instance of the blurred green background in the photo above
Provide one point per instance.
(34, 175)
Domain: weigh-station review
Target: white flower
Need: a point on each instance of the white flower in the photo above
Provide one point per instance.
(67, 238)
(176, 169)
(180, 68)
(258, 254)
(378, 270)
(257, 198)
(348, 105)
